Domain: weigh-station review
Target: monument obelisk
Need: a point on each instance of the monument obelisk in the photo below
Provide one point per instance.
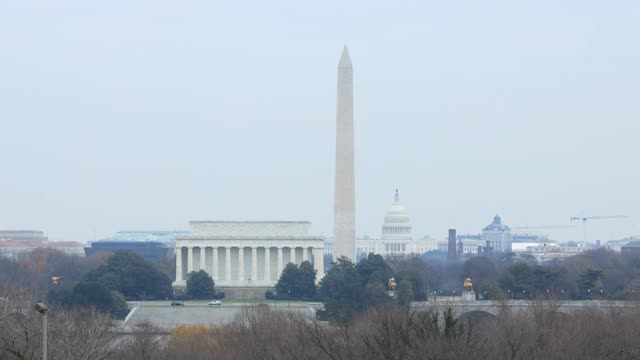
(344, 222)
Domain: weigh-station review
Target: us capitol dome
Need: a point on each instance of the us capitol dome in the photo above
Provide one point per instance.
(397, 225)
(396, 239)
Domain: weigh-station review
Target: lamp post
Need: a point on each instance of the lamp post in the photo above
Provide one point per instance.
(42, 310)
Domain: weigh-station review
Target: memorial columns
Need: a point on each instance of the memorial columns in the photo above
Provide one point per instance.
(241, 263)
(279, 267)
(254, 263)
(189, 259)
(267, 263)
(178, 263)
(203, 260)
(305, 254)
(214, 264)
(227, 264)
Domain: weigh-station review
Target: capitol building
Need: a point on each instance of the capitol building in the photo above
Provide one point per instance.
(396, 239)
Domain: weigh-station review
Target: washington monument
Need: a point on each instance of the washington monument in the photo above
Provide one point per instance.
(344, 222)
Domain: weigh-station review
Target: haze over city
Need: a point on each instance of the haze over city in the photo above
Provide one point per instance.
(117, 115)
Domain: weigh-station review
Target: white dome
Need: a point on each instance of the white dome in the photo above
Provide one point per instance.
(397, 224)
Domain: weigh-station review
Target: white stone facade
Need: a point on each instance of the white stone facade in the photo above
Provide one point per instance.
(17, 249)
(395, 247)
(468, 246)
(344, 221)
(246, 253)
(397, 224)
(497, 235)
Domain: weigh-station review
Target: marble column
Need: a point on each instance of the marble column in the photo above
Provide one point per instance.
(305, 254)
(178, 263)
(279, 268)
(227, 264)
(254, 263)
(203, 260)
(189, 259)
(267, 263)
(241, 263)
(214, 264)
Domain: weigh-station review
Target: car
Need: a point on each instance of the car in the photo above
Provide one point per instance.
(177, 303)
(215, 303)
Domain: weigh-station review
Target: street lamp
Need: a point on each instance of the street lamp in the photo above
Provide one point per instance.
(42, 310)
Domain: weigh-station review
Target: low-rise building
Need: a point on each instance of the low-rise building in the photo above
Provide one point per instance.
(153, 245)
(150, 250)
(16, 249)
(22, 235)
(469, 245)
(632, 248)
(548, 252)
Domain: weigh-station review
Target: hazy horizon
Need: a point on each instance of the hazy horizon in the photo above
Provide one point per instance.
(149, 114)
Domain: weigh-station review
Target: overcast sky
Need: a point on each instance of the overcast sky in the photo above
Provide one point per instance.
(147, 114)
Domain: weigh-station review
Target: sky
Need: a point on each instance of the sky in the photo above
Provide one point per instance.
(148, 114)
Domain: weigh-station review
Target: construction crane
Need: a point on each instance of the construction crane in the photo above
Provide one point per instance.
(584, 220)
(544, 227)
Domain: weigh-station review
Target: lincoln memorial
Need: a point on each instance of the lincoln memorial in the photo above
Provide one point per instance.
(246, 253)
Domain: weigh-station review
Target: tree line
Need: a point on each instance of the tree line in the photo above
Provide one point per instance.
(386, 331)
(390, 332)
(348, 288)
(101, 282)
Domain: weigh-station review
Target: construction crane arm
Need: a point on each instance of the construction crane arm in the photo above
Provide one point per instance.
(544, 227)
(585, 218)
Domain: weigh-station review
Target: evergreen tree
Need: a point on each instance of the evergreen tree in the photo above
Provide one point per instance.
(200, 285)
(404, 294)
(342, 291)
(297, 282)
(133, 276)
(93, 294)
(376, 294)
(518, 279)
(374, 269)
(306, 285)
(590, 283)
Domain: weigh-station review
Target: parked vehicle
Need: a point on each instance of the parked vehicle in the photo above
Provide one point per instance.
(177, 303)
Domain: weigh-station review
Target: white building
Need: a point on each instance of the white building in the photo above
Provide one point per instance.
(396, 239)
(546, 252)
(16, 249)
(469, 246)
(497, 235)
(246, 253)
(17, 243)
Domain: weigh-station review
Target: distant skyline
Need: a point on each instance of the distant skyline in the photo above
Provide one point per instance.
(147, 115)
